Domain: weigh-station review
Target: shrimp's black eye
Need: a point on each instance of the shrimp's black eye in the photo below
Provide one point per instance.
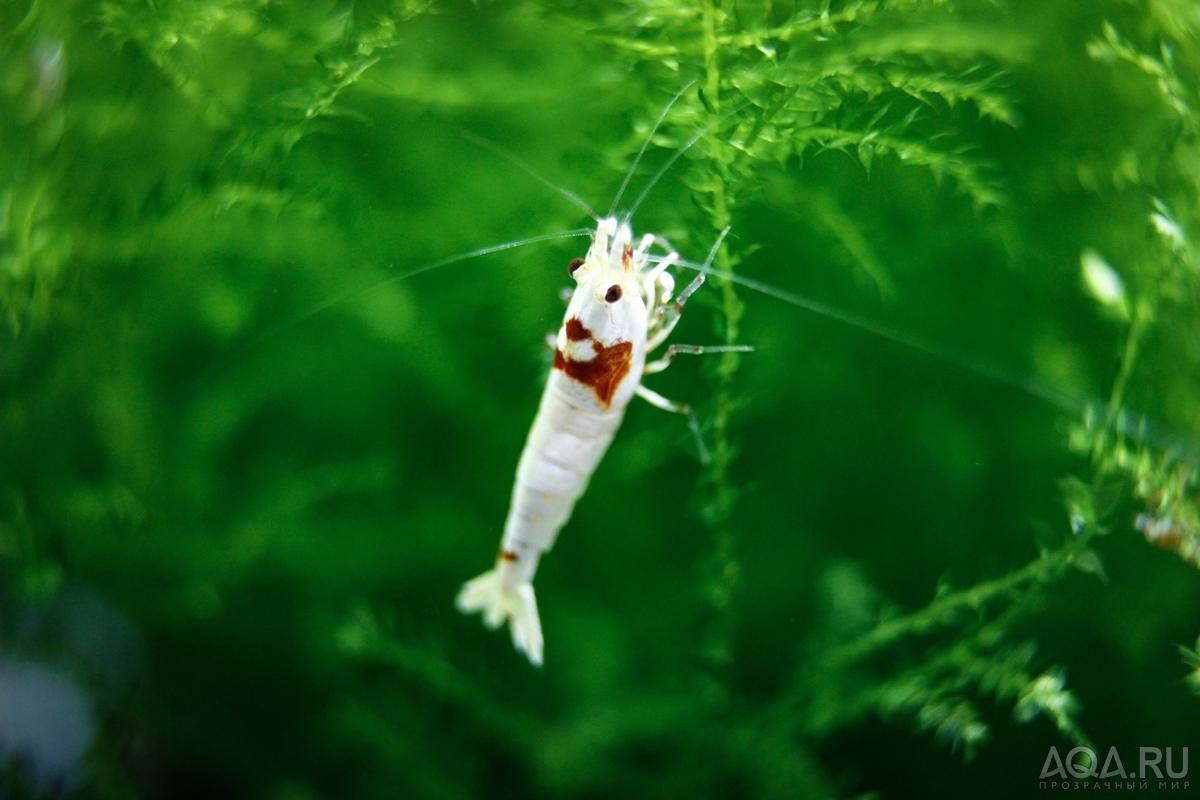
(575, 264)
(614, 294)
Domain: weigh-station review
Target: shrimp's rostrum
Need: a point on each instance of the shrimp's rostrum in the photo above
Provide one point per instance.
(621, 309)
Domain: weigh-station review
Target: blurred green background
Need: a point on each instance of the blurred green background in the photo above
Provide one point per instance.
(234, 528)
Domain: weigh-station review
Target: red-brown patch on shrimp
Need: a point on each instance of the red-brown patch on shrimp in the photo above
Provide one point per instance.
(509, 556)
(603, 373)
(576, 332)
(626, 258)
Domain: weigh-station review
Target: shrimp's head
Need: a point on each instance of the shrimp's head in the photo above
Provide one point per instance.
(608, 297)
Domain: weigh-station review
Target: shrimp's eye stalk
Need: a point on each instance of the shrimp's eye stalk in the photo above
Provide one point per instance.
(575, 264)
(613, 294)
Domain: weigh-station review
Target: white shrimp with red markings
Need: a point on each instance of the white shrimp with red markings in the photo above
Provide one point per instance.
(621, 309)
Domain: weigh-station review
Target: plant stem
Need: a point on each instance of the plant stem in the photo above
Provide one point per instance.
(795, 710)
(1133, 341)
(719, 512)
(1143, 315)
(942, 611)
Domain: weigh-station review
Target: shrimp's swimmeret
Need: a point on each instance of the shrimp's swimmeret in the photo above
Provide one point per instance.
(621, 309)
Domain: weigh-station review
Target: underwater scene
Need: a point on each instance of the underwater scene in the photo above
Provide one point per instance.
(288, 290)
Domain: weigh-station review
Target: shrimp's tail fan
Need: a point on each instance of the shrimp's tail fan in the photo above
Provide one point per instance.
(498, 601)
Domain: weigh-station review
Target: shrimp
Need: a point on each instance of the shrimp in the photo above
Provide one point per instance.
(620, 310)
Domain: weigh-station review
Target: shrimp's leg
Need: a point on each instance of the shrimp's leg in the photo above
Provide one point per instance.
(667, 317)
(673, 350)
(658, 401)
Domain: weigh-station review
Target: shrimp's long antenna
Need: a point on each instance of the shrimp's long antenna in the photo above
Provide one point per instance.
(531, 172)
(1137, 426)
(445, 262)
(1039, 389)
(645, 144)
(700, 134)
(358, 291)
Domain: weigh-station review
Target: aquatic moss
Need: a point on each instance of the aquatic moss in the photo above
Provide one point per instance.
(889, 562)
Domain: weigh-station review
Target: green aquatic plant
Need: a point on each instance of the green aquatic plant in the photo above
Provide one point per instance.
(888, 560)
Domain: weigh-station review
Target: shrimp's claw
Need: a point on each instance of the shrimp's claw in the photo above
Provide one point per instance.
(498, 602)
